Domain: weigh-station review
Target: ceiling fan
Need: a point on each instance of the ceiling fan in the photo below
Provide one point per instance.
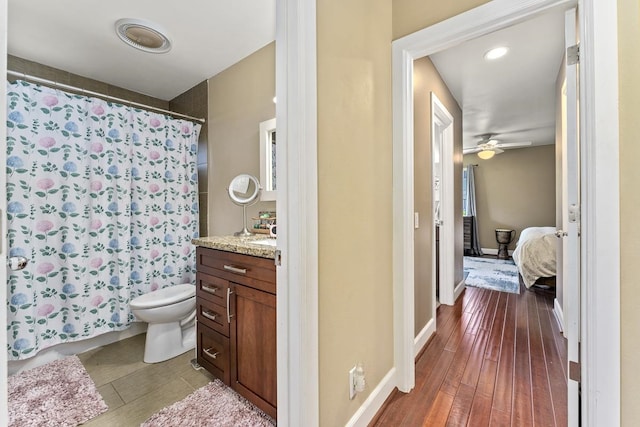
(488, 146)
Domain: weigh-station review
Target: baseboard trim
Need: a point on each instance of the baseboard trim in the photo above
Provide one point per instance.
(557, 311)
(60, 351)
(424, 335)
(493, 251)
(368, 410)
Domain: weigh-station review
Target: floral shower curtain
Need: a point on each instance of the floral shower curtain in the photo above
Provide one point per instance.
(102, 200)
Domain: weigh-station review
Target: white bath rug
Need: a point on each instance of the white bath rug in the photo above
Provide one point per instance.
(60, 393)
(212, 405)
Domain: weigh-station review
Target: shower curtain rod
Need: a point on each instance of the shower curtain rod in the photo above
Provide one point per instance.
(100, 95)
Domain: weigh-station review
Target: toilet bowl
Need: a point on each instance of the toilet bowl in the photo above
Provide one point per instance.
(170, 313)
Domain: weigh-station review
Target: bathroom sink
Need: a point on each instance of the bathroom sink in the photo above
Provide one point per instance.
(266, 242)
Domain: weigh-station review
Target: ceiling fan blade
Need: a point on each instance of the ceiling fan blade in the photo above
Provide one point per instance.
(471, 150)
(497, 150)
(514, 144)
(485, 137)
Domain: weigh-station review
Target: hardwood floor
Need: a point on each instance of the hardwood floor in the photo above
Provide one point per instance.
(496, 359)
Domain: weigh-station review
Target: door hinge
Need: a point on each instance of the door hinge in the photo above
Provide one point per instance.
(574, 368)
(277, 259)
(573, 54)
(574, 371)
(574, 213)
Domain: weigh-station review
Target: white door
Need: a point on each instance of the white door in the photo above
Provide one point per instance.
(570, 232)
(442, 137)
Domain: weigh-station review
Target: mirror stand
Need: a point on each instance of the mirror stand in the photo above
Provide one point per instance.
(245, 232)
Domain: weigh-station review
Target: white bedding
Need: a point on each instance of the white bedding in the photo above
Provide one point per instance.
(535, 254)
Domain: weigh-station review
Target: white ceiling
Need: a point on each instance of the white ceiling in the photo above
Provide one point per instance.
(514, 96)
(78, 36)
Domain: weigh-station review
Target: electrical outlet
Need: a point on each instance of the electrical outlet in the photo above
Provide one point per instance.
(352, 383)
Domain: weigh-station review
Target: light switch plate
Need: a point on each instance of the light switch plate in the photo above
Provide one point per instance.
(416, 220)
(352, 383)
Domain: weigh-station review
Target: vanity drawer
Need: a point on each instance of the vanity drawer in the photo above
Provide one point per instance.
(213, 315)
(259, 273)
(211, 288)
(213, 353)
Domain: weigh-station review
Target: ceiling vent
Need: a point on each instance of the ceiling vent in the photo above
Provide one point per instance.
(143, 35)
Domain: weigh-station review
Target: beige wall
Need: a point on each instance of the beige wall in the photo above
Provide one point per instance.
(629, 64)
(428, 80)
(410, 16)
(240, 97)
(354, 199)
(515, 190)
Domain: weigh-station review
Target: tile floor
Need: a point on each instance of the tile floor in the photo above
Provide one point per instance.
(134, 390)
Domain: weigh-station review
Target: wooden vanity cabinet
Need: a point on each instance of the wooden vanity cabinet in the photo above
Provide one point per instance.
(236, 312)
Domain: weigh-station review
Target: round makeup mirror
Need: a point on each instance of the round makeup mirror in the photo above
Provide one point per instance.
(244, 190)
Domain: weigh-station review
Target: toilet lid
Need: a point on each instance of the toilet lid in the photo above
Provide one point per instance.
(164, 296)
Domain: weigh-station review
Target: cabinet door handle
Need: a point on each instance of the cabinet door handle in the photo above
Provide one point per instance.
(235, 269)
(208, 352)
(209, 289)
(210, 315)
(229, 315)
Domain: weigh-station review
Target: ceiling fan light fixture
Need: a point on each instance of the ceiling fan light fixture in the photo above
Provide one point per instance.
(143, 35)
(486, 154)
(496, 52)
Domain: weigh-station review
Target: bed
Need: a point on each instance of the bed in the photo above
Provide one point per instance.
(535, 255)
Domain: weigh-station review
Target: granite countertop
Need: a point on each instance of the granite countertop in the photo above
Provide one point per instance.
(239, 245)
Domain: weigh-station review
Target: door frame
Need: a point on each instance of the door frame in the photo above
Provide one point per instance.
(600, 218)
(600, 278)
(297, 203)
(442, 130)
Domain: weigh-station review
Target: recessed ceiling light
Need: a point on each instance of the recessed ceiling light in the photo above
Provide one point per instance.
(495, 53)
(143, 35)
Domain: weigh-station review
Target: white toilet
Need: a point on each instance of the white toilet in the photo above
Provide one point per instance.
(170, 313)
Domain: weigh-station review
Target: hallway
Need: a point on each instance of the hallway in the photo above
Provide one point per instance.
(496, 359)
